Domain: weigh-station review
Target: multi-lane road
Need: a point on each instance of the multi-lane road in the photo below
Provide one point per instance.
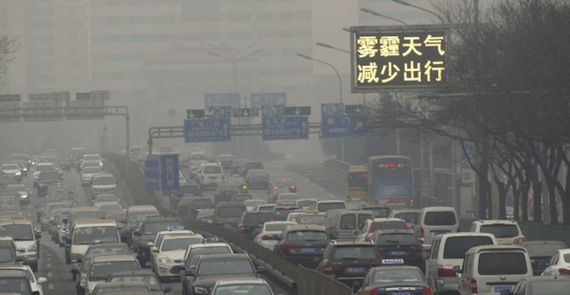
(313, 181)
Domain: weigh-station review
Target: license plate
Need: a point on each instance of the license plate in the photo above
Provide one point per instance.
(399, 253)
(308, 250)
(401, 293)
(354, 270)
(498, 289)
(392, 261)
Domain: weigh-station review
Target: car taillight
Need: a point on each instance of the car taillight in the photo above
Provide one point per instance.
(328, 268)
(473, 286)
(221, 223)
(369, 229)
(422, 232)
(427, 291)
(380, 249)
(266, 238)
(564, 271)
(241, 227)
(417, 249)
(287, 246)
(519, 240)
(446, 272)
(374, 292)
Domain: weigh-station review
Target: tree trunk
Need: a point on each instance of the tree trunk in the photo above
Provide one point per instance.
(537, 202)
(566, 198)
(484, 186)
(524, 200)
(552, 204)
(516, 202)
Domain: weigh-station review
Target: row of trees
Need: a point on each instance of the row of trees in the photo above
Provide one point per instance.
(508, 98)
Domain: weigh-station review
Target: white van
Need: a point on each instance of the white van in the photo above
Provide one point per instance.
(103, 183)
(210, 174)
(434, 221)
(447, 252)
(490, 269)
(85, 232)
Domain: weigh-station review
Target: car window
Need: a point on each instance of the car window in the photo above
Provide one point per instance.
(440, 218)
(395, 239)
(435, 249)
(397, 275)
(381, 225)
(257, 218)
(500, 230)
(231, 211)
(224, 266)
(348, 221)
(354, 252)
(324, 207)
(410, 217)
(502, 263)
(237, 289)
(550, 287)
(306, 235)
(455, 247)
(213, 169)
(100, 270)
(6, 255)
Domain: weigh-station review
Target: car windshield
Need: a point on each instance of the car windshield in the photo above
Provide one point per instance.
(324, 207)
(104, 290)
(380, 225)
(440, 218)
(409, 217)
(455, 247)
(9, 167)
(92, 169)
(95, 235)
(257, 289)
(104, 180)
(395, 239)
(225, 266)
(307, 203)
(311, 219)
(549, 287)
(502, 263)
(91, 158)
(150, 279)
(15, 286)
(202, 204)
(392, 275)
(18, 232)
(257, 218)
(355, 252)
(43, 168)
(231, 211)
(102, 249)
(179, 243)
(50, 175)
(140, 216)
(307, 235)
(91, 164)
(6, 255)
(501, 230)
(101, 270)
(213, 169)
(152, 228)
(241, 197)
(105, 198)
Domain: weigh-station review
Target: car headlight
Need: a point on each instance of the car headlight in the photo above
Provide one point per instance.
(201, 290)
(165, 260)
(24, 196)
(18, 173)
(32, 248)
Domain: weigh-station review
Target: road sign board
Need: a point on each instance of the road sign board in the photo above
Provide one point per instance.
(10, 97)
(86, 109)
(169, 171)
(195, 114)
(268, 98)
(332, 109)
(219, 112)
(272, 111)
(245, 112)
(285, 128)
(10, 111)
(152, 173)
(204, 130)
(222, 100)
(43, 110)
(83, 95)
(343, 126)
(354, 109)
(297, 111)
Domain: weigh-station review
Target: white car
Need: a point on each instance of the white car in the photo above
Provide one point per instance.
(269, 235)
(87, 174)
(171, 252)
(46, 166)
(35, 283)
(172, 231)
(250, 205)
(13, 170)
(194, 251)
(559, 263)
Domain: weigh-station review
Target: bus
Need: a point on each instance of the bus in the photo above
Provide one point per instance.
(357, 183)
(390, 180)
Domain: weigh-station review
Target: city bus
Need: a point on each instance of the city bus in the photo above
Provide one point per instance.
(390, 180)
(357, 183)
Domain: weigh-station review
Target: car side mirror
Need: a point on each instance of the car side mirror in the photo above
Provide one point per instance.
(42, 280)
(137, 233)
(356, 232)
(190, 273)
(166, 289)
(154, 249)
(38, 235)
(260, 269)
(177, 269)
(457, 269)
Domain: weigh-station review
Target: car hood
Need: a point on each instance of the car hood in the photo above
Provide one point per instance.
(24, 244)
(174, 255)
(10, 171)
(210, 281)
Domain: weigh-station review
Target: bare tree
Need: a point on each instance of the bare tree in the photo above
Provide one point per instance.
(8, 46)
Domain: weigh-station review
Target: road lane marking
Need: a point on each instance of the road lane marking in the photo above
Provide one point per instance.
(48, 265)
(50, 286)
(49, 274)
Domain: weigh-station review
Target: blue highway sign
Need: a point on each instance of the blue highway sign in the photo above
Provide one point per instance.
(268, 98)
(343, 126)
(204, 130)
(169, 171)
(285, 128)
(152, 173)
(232, 100)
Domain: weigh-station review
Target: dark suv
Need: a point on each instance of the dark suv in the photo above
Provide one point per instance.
(46, 179)
(248, 165)
(251, 223)
(143, 237)
(303, 244)
(349, 262)
(398, 246)
(211, 268)
(225, 192)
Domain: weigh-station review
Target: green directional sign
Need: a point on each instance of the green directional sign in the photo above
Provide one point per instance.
(195, 114)
(354, 109)
(245, 112)
(297, 111)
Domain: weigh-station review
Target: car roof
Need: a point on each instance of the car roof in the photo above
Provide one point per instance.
(144, 272)
(350, 243)
(113, 257)
(135, 208)
(11, 220)
(225, 282)
(495, 221)
(438, 208)
(384, 219)
(464, 234)
(225, 256)
(5, 273)
(543, 242)
(330, 201)
(93, 222)
(490, 248)
(206, 245)
(108, 245)
(305, 226)
(395, 231)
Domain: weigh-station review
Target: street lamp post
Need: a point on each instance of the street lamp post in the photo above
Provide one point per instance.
(382, 15)
(340, 92)
(406, 3)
